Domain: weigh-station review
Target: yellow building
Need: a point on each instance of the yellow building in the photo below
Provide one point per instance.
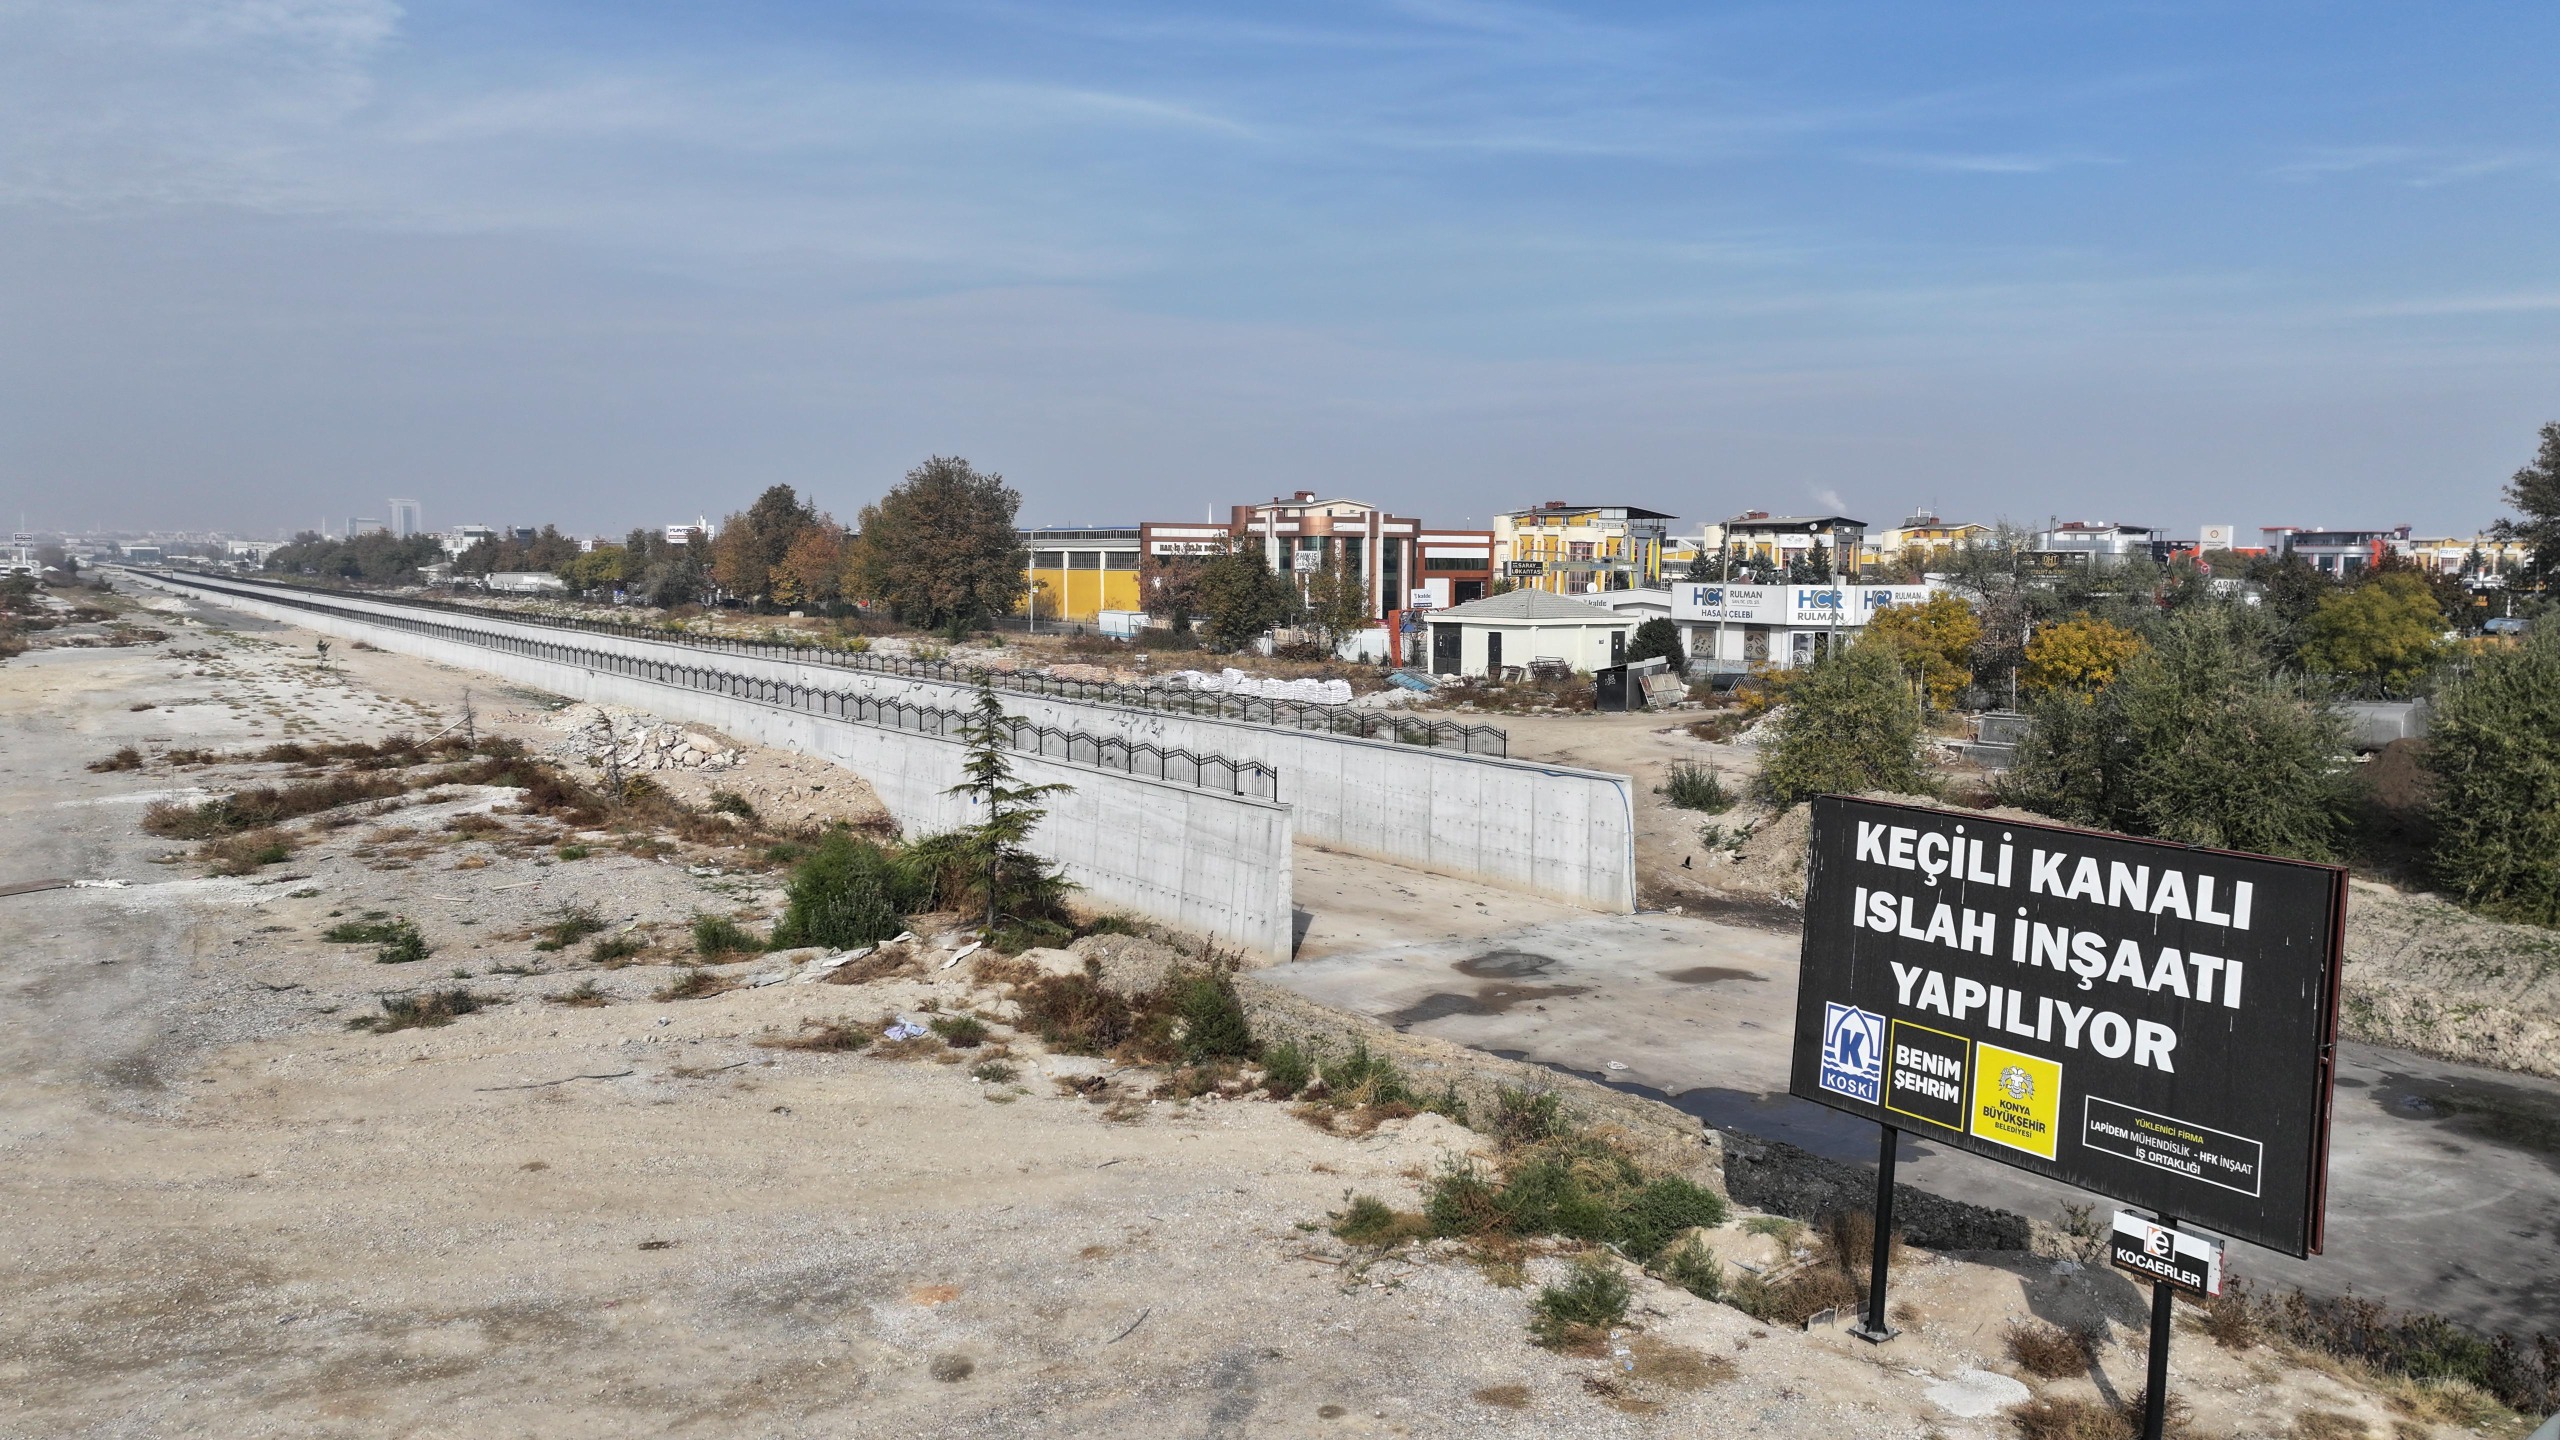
(1578, 549)
(1077, 573)
(1919, 536)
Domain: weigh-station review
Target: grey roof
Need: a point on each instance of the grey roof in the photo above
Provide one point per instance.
(1528, 605)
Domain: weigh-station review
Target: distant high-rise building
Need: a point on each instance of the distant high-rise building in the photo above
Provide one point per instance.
(405, 518)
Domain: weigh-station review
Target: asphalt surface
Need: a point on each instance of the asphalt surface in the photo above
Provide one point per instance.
(2444, 1190)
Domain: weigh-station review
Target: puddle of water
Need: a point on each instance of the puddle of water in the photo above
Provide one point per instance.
(1506, 965)
(1487, 1000)
(2513, 1116)
(1710, 974)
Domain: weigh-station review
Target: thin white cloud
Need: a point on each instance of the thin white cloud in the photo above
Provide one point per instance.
(2010, 163)
(2415, 166)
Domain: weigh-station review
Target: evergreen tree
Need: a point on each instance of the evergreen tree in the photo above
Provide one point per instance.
(2535, 492)
(1658, 636)
(991, 860)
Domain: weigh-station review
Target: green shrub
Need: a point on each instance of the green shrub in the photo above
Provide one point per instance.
(1285, 1069)
(1694, 1268)
(1523, 1117)
(730, 802)
(402, 945)
(615, 947)
(850, 892)
(1695, 787)
(1575, 1186)
(1370, 1221)
(2493, 747)
(2195, 740)
(718, 936)
(358, 932)
(1363, 1078)
(1851, 723)
(1651, 1218)
(1657, 636)
(993, 1072)
(1213, 1020)
(421, 1011)
(960, 1032)
(1593, 1298)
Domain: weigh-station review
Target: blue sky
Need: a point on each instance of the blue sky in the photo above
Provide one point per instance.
(264, 260)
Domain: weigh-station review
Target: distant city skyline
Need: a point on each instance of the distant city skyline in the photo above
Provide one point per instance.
(602, 265)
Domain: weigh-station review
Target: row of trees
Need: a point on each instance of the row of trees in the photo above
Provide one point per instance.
(2196, 736)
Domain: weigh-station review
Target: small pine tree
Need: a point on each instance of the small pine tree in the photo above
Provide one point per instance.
(993, 856)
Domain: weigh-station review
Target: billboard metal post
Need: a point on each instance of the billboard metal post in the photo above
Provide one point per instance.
(2155, 1397)
(1875, 1331)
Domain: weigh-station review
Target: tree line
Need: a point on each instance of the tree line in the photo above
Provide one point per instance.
(2166, 707)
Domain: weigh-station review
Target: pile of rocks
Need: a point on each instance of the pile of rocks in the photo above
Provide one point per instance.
(641, 742)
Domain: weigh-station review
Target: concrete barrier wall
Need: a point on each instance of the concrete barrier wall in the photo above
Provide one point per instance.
(1208, 862)
(1552, 830)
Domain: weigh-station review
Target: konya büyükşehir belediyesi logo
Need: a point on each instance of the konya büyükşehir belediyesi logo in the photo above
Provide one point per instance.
(1852, 1052)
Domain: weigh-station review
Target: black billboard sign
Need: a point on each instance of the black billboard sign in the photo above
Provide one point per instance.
(2150, 1021)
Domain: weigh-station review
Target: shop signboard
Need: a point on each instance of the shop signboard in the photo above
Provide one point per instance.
(1709, 600)
(2153, 1022)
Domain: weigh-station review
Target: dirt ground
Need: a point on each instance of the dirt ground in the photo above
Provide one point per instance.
(236, 1215)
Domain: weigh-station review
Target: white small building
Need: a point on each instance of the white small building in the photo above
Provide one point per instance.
(1734, 627)
(1517, 630)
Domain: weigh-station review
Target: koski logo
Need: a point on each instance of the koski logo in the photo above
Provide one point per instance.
(1852, 1052)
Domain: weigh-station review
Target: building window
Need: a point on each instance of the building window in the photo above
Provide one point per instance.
(1455, 562)
(1084, 559)
(1048, 560)
(1580, 549)
(1120, 560)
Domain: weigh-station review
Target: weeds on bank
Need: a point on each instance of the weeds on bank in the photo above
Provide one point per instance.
(2428, 1365)
(829, 1036)
(617, 950)
(1695, 787)
(424, 1010)
(583, 996)
(717, 937)
(1575, 1316)
(692, 985)
(1371, 1222)
(576, 923)
(2053, 1351)
(248, 852)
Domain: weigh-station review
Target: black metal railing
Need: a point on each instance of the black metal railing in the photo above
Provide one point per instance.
(1304, 715)
(1205, 771)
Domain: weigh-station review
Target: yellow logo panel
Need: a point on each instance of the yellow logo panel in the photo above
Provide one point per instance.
(2017, 1099)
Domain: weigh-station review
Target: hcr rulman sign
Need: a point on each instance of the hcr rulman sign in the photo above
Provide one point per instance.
(2153, 1022)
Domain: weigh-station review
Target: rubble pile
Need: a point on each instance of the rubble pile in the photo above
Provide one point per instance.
(638, 742)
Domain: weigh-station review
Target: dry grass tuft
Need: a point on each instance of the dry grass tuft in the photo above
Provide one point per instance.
(2329, 1425)
(693, 985)
(828, 1036)
(2052, 1351)
(1504, 1397)
(1679, 1367)
(246, 853)
(584, 995)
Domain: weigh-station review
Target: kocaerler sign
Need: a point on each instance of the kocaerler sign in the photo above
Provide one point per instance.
(2150, 1021)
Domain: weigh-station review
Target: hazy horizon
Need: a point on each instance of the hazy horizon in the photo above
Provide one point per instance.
(609, 266)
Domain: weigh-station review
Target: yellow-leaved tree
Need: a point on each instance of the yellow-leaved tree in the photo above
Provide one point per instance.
(2080, 655)
(1939, 635)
